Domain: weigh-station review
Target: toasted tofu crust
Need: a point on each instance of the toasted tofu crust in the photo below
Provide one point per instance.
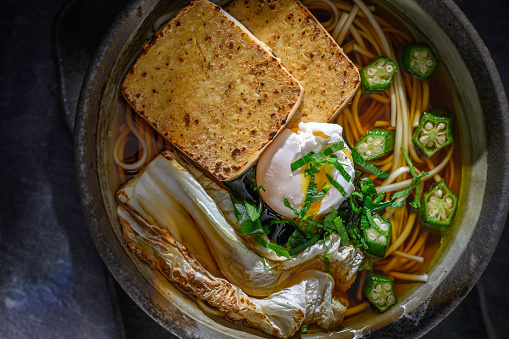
(306, 50)
(212, 89)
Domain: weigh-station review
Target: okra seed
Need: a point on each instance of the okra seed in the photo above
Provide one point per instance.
(378, 288)
(416, 54)
(363, 147)
(371, 71)
(432, 212)
(440, 126)
(369, 140)
(378, 141)
(378, 149)
(448, 205)
(380, 302)
(429, 62)
(441, 139)
(382, 239)
(433, 199)
(374, 295)
(448, 200)
(424, 54)
(377, 221)
(443, 215)
(371, 236)
(380, 62)
(369, 153)
(423, 139)
(387, 287)
(430, 144)
(389, 68)
(423, 69)
(413, 63)
(440, 193)
(376, 79)
(390, 299)
(428, 126)
(384, 227)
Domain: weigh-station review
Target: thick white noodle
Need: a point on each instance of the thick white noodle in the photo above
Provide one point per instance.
(339, 26)
(347, 25)
(406, 183)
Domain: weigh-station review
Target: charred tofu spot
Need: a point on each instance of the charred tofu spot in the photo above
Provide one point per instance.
(187, 119)
(217, 168)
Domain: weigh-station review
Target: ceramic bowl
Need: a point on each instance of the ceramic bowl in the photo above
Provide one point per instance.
(481, 110)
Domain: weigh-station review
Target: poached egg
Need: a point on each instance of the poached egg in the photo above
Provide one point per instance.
(279, 182)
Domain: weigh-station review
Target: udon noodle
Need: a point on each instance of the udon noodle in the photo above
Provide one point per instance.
(364, 35)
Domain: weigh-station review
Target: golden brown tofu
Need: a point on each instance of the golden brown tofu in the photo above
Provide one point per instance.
(306, 50)
(212, 89)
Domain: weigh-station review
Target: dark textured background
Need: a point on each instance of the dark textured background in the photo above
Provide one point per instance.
(52, 280)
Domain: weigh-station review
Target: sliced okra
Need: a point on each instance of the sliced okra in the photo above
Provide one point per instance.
(376, 143)
(419, 60)
(377, 237)
(377, 76)
(438, 208)
(378, 289)
(434, 131)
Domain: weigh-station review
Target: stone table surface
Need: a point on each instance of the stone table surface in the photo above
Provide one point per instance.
(53, 283)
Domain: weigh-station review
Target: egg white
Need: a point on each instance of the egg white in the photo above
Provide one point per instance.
(274, 168)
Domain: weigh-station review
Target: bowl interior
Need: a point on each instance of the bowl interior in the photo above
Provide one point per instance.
(176, 310)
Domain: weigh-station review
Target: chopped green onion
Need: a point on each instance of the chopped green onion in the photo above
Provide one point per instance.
(296, 238)
(248, 223)
(264, 262)
(314, 238)
(341, 170)
(340, 228)
(311, 156)
(287, 204)
(257, 188)
(276, 248)
(367, 166)
(252, 210)
(367, 264)
(336, 185)
(327, 263)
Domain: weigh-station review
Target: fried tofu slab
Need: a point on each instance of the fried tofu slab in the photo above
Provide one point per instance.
(212, 89)
(306, 50)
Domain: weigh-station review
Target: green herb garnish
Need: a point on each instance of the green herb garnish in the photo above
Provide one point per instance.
(359, 160)
(264, 262)
(276, 248)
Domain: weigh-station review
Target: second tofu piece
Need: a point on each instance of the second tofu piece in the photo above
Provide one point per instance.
(306, 50)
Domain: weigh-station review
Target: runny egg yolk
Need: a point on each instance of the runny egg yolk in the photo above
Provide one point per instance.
(280, 183)
(320, 179)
